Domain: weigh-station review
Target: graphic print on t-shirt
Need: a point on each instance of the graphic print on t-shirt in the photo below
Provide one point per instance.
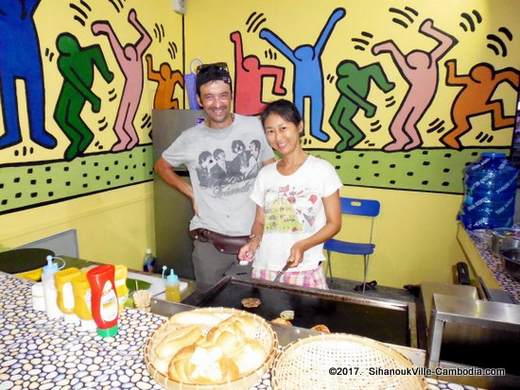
(232, 172)
(290, 210)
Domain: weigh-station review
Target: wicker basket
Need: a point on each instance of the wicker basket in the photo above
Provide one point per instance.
(264, 334)
(306, 364)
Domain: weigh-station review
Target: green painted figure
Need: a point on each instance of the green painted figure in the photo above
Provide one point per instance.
(76, 65)
(353, 84)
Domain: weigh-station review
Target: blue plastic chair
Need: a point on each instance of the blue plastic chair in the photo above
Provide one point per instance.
(361, 207)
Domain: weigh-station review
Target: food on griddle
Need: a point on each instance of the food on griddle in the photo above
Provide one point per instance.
(191, 354)
(287, 315)
(281, 321)
(321, 328)
(250, 303)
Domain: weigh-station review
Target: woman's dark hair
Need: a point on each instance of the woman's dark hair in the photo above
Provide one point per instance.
(286, 109)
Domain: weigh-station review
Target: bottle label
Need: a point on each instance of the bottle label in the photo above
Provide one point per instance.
(109, 307)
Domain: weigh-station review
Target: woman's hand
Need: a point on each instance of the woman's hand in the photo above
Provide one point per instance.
(296, 254)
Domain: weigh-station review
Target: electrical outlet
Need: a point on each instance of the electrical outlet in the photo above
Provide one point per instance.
(179, 6)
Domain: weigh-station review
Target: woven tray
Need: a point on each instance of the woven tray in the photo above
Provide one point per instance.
(305, 364)
(264, 334)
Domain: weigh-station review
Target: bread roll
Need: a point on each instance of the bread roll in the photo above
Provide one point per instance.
(197, 318)
(250, 356)
(197, 365)
(176, 340)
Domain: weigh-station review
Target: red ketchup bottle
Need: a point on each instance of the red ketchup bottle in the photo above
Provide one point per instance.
(104, 299)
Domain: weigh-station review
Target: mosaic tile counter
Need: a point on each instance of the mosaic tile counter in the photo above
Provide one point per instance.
(495, 264)
(39, 353)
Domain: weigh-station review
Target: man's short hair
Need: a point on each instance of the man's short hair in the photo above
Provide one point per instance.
(212, 72)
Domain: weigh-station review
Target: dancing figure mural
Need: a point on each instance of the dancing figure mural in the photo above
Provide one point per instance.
(353, 85)
(474, 98)
(249, 75)
(167, 80)
(308, 72)
(76, 64)
(20, 60)
(130, 60)
(420, 69)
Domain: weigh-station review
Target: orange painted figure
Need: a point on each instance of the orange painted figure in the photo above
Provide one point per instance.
(167, 80)
(475, 98)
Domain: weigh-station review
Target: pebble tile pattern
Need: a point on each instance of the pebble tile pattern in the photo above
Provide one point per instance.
(40, 353)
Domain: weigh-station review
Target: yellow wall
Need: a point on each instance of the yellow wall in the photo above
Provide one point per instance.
(414, 237)
(113, 227)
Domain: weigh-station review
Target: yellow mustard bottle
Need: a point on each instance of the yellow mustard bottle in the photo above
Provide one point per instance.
(120, 276)
(66, 301)
(82, 301)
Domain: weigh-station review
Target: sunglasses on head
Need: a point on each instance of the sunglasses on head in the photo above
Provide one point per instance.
(217, 66)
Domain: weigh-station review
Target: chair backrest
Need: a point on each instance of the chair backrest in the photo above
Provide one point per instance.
(364, 207)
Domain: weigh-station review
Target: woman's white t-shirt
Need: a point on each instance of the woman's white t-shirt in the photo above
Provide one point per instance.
(293, 210)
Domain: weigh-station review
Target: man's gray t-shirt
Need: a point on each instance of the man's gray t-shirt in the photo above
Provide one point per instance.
(223, 165)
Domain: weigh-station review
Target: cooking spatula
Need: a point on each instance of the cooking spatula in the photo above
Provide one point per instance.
(280, 273)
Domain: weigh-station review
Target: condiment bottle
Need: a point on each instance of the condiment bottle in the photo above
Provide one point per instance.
(66, 299)
(121, 273)
(105, 306)
(82, 301)
(173, 291)
(50, 293)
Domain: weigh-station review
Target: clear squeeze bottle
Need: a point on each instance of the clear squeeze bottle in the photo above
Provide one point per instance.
(173, 290)
(50, 293)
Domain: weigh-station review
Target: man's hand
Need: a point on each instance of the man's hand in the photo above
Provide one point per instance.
(247, 252)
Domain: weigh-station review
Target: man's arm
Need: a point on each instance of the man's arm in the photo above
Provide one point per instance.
(164, 169)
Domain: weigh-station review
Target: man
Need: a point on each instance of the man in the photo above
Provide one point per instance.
(223, 210)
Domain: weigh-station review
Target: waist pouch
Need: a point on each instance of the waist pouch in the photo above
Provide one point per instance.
(225, 244)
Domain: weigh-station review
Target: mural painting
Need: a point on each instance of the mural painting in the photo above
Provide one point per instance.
(402, 100)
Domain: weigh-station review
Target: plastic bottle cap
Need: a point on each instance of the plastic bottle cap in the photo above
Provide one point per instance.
(108, 332)
(51, 267)
(172, 278)
(148, 251)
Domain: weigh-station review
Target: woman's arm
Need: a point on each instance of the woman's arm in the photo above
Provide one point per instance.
(333, 215)
(247, 252)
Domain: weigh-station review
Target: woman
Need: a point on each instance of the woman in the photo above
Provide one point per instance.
(298, 205)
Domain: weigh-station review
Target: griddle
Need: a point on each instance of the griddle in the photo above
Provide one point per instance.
(385, 322)
(22, 260)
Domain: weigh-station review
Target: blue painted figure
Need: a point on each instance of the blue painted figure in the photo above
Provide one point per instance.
(308, 72)
(20, 59)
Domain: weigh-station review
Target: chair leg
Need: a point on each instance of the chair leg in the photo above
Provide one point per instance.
(329, 265)
(365, 271)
